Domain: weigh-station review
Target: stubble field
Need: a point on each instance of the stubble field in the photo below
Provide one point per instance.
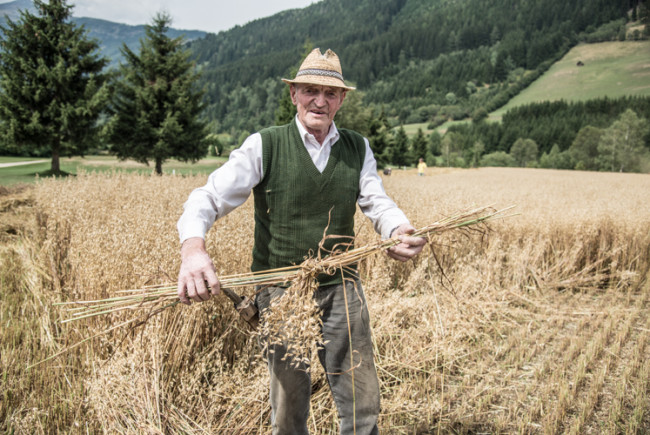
(541, 325)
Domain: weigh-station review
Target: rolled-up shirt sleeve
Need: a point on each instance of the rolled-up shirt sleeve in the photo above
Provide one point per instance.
(373, 200)
(227, 188)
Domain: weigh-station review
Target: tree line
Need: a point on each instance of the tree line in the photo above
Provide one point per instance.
(600, 135)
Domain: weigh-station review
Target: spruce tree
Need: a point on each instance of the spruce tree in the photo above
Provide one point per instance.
(286, 110)
(52, 88)
(434, 144)
(353, 114)
(379, 139)
(419, 145)
(155, 108)
(400, 149)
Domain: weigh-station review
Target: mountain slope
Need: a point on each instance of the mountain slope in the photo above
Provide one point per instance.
(608, 69)
(11, 9)
(110, 35)
(404, 54)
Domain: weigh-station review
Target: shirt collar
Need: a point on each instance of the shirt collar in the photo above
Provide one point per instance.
(330, 139)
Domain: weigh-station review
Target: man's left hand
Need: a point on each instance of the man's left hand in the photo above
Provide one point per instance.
(408, 247)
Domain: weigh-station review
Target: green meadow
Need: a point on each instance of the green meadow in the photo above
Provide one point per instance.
(610, 69)
(28, 173)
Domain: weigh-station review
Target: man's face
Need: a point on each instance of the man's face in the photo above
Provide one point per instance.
(316, 105)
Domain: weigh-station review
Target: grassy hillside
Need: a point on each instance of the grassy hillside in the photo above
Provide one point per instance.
(611, 69)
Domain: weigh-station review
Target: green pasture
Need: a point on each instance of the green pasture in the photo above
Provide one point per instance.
(611, 69)
(442, 129)
(4, 159)
(412, 129)
(29, 173)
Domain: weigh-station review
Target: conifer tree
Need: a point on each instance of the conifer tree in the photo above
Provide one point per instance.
(286, 110)
(434, 144)
(400, 147)
(379, 139)
(353, 114)
(155, 106)
(419, 145)
(52, 88)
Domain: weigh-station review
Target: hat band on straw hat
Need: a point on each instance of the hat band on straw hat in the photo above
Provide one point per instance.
(320, 72)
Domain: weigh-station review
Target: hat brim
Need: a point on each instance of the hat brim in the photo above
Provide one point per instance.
(320, 80)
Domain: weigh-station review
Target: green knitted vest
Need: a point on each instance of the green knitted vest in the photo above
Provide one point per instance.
(295, 203)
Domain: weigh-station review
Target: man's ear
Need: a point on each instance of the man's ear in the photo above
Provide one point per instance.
(292, 91)
(343, 94)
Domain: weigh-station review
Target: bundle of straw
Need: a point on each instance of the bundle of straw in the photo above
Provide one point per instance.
(155, 299)
(152, 300)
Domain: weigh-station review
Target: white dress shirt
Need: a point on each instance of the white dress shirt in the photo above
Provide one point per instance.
(230, 185)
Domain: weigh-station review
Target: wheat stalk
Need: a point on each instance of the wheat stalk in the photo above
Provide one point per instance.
(152, 297)
(286, 324)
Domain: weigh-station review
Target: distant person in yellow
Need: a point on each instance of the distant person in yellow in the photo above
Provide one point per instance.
(421, 167)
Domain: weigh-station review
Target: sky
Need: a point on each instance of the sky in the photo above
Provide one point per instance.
(208, 15)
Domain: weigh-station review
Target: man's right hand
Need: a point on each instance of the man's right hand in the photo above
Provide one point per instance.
(197, 269)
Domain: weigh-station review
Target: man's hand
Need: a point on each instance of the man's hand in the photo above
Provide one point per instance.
(196, 269)
(408, 247)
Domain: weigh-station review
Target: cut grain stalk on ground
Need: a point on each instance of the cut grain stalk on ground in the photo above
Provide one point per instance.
(546, 331)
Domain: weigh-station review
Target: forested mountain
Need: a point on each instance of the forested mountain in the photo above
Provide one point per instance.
(417, 58)
(11, 9)
(110, 35)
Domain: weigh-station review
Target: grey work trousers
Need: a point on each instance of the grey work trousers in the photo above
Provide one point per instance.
(290, 390)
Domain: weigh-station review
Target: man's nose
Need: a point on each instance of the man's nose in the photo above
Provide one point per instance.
(320, 99)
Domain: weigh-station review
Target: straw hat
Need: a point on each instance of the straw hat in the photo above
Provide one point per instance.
(321, 69)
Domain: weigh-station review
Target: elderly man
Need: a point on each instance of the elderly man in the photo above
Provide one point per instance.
(306, 176)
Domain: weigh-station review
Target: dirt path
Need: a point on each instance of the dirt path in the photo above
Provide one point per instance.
(30, 162)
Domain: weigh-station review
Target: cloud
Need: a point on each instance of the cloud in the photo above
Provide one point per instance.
(122, 11)
(208, 15)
